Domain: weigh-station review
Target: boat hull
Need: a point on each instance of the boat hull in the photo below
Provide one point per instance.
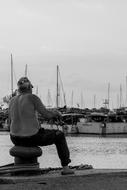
(91, 128)
(98, 128)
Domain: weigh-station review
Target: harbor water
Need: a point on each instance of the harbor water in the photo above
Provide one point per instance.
(100, 152)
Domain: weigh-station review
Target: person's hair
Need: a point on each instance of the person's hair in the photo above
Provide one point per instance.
(24, 85)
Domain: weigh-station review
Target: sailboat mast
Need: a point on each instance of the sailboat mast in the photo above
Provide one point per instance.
(94, 101)
(49, 99)
(26, 70)
(118, 103)
(120, 95)
(57, 89)
(37, 90)
(81, 100)
(11, 74)
(126, 90)
(72, 96)
(108, 95)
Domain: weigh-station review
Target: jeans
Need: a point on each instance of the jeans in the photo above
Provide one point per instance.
(46, 137)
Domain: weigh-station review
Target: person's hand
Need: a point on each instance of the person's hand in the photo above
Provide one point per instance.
(57, 114)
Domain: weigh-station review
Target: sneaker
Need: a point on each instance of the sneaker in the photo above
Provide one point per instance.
(67, 171)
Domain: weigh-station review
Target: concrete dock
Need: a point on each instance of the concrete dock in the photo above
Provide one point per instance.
(89, 179)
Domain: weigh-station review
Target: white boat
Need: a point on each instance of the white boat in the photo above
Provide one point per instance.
(78, 124)
(102, 125)
(70, 121)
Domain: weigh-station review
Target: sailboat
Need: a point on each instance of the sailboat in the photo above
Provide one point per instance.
(50, 124)
(104, 124)
(59, 88)
(69, 119)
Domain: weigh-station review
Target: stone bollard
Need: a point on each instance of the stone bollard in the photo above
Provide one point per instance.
(25, 158)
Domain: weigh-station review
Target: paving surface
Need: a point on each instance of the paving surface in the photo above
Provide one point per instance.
(93, 179)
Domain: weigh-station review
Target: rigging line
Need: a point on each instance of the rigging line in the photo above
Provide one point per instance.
(50, 99)
(62, 88)
(15, 76)
(63, 94)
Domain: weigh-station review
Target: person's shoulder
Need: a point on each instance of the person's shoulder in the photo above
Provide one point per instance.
(33, 97)
(28, 95)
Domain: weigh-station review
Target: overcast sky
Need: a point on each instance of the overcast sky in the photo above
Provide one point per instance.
(86, 38)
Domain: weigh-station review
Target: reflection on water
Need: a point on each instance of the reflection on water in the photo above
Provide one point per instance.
(97, 151)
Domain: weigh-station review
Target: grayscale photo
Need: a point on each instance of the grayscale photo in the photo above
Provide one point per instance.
(63, 94)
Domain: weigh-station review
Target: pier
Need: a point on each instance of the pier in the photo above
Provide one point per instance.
(88, 179)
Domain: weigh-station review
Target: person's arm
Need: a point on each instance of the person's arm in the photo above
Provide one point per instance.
(40, 107)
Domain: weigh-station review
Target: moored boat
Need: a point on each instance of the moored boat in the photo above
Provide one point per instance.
(98, 123)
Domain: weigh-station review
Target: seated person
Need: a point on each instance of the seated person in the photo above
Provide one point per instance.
(25, 129)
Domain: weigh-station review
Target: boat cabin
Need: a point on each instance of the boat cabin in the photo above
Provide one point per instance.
(71, 118)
